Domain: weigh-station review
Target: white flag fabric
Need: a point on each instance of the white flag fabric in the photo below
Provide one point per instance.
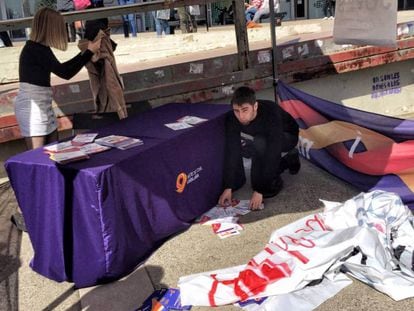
(370, 236)
(367, 22)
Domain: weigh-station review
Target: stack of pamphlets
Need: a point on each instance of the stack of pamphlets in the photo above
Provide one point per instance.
(224, 220)
(185, 122)
(65, 152)
(79, 148)
(82, 139)
(119, 142)
(82, 145)
(67, 157)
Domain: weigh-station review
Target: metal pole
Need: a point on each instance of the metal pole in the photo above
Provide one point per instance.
(273, 38)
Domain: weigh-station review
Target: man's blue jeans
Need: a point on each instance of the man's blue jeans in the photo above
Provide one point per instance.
(160, 25)
(130, 17)
(250, 13)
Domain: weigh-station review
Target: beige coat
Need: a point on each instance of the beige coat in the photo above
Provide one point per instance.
(106, 83)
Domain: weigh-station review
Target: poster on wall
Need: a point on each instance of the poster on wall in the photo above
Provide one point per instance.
(368, 22)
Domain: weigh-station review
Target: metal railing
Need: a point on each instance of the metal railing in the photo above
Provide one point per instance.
(19, 23)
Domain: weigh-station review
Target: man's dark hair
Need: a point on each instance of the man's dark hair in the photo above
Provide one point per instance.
(243, 95)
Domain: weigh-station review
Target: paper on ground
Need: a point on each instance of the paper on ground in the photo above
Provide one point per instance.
(237, 208)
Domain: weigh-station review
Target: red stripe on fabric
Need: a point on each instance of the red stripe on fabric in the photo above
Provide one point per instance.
(299, 256)
(213, 291)
(299, 110)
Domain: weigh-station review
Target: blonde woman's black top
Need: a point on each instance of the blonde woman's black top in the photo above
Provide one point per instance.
(37, 62)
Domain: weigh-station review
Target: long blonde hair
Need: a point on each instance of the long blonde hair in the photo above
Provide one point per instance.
(49, 28)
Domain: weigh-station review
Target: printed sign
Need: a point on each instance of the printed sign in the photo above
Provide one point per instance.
(368, 22)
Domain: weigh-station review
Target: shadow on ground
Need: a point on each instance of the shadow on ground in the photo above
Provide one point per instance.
(301, 193)
(10, 242)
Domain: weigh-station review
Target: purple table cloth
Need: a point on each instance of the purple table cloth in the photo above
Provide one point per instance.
(95, 220)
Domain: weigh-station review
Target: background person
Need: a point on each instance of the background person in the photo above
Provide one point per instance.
(161, 18)
(269, 131)
(188, 21)
(5, 38)
(33, 104)
(329, 9)
(251, 9)
(67, 6)
(130, 22)
(265, 10)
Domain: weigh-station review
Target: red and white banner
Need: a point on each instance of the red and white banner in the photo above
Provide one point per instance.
(361, 236)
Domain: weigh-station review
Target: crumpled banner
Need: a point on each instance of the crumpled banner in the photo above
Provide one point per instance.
(370, 151)
(370, 236)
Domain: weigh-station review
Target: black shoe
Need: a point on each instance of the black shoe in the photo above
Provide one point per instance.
(18, 220)
(293, 162)
(277, 186)
(283, 165)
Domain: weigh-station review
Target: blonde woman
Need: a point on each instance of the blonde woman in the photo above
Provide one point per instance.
(33, 105)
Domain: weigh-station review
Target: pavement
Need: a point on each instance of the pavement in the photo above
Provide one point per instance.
(195, 250)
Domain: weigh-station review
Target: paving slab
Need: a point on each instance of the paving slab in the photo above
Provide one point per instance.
(127, 293)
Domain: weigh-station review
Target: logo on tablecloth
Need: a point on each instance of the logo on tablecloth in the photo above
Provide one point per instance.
(183, 179)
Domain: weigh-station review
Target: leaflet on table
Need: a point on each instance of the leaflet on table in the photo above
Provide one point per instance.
(163, 299)
(178, 126)
(85, 138)
(132, 142)
(111, 140)
(60, 147)
(118, 141)
(66, 157)
(93, 148)
(192, 120)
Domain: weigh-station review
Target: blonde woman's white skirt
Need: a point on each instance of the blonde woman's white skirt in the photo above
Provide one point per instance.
(33, 110)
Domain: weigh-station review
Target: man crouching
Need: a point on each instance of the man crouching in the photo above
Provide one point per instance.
(260, 130)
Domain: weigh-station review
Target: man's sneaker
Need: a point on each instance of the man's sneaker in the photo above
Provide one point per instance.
(283, 165)
(293, 162)
(251, 24)
(276, 187)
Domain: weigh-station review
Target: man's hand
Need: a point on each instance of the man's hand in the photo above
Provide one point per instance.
(225, 198)
(256, 201)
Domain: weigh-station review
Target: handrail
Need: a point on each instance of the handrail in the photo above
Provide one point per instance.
(18, 23)
(241, 33)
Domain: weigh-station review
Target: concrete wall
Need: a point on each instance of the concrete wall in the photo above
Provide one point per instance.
(386, 89)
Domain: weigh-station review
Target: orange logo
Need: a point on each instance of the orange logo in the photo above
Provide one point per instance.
(181, 182)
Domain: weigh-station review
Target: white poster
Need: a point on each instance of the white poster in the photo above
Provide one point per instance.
(366, 22)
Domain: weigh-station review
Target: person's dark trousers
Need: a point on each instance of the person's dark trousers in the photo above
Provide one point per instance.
(4, 36)
(126, 29)
(259, 151)
(70, 28)
(256, 149)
